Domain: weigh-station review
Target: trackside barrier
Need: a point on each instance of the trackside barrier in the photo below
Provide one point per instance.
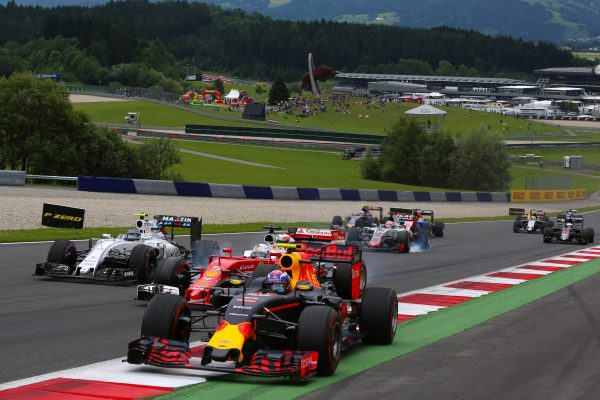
(285, 133)
(12, 178)
(145, 186)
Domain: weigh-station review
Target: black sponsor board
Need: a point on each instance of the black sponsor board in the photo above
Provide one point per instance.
(516, 211)
(62, 216)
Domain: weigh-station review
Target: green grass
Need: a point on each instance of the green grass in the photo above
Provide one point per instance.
(380, 119)
(305, 168)
(151, 114)
(301, 168)
(590, 155)
(588, 55)
(340, 173)
(577, 181)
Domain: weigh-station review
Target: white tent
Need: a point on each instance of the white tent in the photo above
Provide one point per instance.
(233, 94)
(427, 117)
(425, 110)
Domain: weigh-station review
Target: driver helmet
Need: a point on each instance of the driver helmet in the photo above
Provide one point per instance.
(279, 281)
(261, 250)
(284, 238)
(389, 224)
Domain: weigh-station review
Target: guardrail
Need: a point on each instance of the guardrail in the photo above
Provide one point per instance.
(70, 181)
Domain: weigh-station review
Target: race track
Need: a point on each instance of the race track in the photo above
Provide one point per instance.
(49, 325)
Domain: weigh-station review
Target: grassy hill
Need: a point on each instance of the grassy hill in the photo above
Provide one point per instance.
(313, 168)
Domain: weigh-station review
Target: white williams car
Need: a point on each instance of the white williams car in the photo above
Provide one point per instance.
(130, 257)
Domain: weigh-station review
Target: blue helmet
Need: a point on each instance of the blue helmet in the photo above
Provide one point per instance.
(279, 281)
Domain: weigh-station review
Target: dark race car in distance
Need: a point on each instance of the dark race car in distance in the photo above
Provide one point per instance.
(569, 228)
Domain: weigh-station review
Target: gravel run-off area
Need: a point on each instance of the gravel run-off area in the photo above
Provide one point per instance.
(22, 207)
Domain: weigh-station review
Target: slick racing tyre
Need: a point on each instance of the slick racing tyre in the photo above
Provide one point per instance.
(260, 272)
(343, 280)
(63, 252)
(584, 236)
(174, 271)
(439, 229)
(548, 234)
(403, 242)
(517, 225)
(378, 317)
(167, 317)
(319, 328)
(590, 234)
(142, 261)
(337, 222)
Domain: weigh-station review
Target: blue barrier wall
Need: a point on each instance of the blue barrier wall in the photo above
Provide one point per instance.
(145, 186)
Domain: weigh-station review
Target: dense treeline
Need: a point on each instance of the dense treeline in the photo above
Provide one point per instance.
(40, 133)
(136, 42)
(412, 156)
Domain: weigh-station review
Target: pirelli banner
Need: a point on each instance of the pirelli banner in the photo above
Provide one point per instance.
(548, 195)
(62, 217)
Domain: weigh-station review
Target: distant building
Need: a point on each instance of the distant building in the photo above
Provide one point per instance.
(582, 77)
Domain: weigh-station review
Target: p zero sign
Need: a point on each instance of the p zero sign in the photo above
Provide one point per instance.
(62, 217)
(549, 195)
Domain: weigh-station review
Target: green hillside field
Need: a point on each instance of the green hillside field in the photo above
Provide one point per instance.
(379, 119)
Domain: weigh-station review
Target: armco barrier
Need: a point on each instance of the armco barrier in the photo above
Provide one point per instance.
(144, 186)
(12, 178)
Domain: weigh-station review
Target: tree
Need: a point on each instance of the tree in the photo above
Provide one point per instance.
(445, 68)
(369, 166)
(436, 161)
(154, 158)
(480, 163)
(279, 91)
(402, 153)
(218, 85)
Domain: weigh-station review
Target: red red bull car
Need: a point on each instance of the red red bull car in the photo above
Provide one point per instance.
(211, 269)
(263, 332)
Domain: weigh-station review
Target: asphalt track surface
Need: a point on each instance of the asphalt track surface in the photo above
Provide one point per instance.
(52, 325)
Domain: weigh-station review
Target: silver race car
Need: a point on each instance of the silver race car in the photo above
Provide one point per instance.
(130, 257)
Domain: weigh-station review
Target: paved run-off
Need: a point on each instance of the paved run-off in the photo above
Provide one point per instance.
(411, 336)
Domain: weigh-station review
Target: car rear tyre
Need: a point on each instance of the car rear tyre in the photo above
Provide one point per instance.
(548, 234)
(378, 317)
(439, 229)
(143, 262)
(583, 236)
(319, 329)
(403, 242)
(591, 234)
(343, 280)
(260, 272)
(63, 252)
(337, 222)
(167, 317)
(174, 271)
